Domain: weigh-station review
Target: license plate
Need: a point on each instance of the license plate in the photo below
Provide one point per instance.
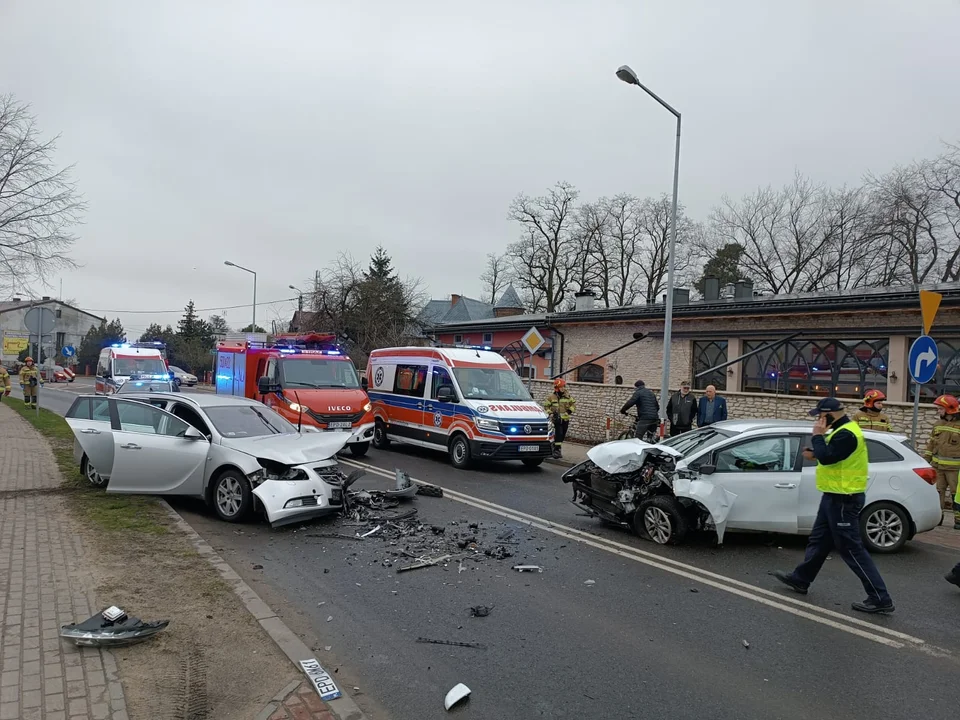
(340, 425)
(321, 679)
(528, 448)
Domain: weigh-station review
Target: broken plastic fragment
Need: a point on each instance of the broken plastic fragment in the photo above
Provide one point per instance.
(589, 582)
(458, 693)
(480, 611)
(99, 631)
(528, 568)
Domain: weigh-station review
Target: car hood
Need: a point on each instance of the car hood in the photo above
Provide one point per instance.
(624, 456)
(291, 448)
(329, 401)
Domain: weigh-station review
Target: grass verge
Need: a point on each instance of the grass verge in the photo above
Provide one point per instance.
(112, 513)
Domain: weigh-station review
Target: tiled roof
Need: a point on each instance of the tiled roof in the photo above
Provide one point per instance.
(510, 300)
(468, 309)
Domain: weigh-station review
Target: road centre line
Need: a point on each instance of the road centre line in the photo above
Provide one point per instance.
(829, 618)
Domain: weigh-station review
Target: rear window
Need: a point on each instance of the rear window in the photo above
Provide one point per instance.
(877, 452)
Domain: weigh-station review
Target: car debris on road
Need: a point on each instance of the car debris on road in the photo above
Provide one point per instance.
(111, 627)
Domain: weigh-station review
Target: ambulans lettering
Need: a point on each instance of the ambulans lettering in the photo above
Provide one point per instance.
(515, 408)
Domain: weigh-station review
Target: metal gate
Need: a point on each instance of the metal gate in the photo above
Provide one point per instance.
(515, 354)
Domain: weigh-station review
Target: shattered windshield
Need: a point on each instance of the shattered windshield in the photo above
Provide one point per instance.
(691, 443)
(319, 373)
(490, 384)
(245, 421)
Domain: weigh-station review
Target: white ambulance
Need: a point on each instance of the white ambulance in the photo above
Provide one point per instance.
(122, 363)
(468, 402)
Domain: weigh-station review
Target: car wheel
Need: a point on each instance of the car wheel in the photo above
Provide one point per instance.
(661, 519)
(460, 452)
(359, 449)
(533, 462)
(232, 497)
(884, 527)
(380, 439)
(90, 473)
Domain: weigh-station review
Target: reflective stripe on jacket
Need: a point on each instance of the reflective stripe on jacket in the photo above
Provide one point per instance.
(848, 476)
(562, 405)
(28, 372)
(872, 420)
(5, 378)
(943, 447)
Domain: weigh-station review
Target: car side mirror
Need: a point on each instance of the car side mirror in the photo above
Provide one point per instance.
(363, 383)
(707, 469)
(445, 393)
(193, 434)
(265, 386)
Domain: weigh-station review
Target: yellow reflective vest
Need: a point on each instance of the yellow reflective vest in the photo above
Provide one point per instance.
(849, 476)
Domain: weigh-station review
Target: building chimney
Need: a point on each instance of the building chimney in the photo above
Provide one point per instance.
(743, 290)
(681, 296)
(711, 288)
(454, 299)
(585, 300)
(17, 300)
(45, 297)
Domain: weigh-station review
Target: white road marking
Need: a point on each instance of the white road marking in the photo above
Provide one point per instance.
(829, 618)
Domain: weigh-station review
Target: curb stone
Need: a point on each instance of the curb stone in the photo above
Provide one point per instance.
(274, 704)
(293, 647)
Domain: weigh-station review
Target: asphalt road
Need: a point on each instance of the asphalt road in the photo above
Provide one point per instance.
(687, 632)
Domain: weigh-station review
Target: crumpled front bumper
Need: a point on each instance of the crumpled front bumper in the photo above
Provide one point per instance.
(290, 501)
(362, 433)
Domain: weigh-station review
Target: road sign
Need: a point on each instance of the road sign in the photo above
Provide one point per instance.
(68, 351)
(922, 360)
(929, 304)
(532, 340)
(39, 321)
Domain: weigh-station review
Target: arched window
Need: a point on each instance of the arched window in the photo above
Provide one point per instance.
(590, 373)
(708, 354)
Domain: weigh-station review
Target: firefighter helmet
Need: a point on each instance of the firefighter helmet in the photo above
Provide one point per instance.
(28, 359)
(871, 397)
(948, 403)
(559, 384)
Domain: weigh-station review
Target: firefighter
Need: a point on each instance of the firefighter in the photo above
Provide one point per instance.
(5, 381)
(560, 406)
(943, 452)
(30, 381)
(871, 415)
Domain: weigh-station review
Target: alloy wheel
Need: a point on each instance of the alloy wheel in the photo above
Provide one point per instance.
(657, 524)
(229, 496)
(884, 528)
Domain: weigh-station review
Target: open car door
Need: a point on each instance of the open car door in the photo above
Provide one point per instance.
(155, 452)
(89, 418)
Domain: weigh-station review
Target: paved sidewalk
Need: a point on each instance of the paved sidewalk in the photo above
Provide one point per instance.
(43, 586)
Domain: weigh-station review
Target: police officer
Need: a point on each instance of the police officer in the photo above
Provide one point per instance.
(5, 381)
(871, 416)
(560, 406)
(30, 381)
(943, 452)
(841, 455)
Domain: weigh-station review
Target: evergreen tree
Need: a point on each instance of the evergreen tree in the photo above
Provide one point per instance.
(98, 338)
(218, 325)
(724, 264)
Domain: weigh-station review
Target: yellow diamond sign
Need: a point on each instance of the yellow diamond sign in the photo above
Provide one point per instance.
(532, 340)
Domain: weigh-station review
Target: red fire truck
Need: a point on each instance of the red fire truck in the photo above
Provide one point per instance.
(308, 379)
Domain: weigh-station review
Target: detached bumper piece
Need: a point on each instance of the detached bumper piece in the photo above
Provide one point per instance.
(111, 628)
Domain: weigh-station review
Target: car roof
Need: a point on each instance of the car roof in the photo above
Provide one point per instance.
(745, 426)
(198, 399)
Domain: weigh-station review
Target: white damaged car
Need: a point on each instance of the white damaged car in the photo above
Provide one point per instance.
(749, 475)
(234, 453)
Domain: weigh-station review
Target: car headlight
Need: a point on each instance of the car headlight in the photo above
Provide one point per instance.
(486, 424)
(367, 408)
(295, 407)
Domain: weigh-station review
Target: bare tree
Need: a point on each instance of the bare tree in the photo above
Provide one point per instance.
(855, 255)
(498, 275)
(942, 176)
(547, 257)
(782, 233)
(366, 308)
(652, 258)
(617, 223)
(39, 203)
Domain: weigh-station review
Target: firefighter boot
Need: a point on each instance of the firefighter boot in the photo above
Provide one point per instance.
(557, 453)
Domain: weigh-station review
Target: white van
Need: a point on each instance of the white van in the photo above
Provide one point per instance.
(467, 402)
(120, 363)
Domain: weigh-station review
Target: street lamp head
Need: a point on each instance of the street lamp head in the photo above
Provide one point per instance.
(625, 73)
(227, 262)
(292, 287)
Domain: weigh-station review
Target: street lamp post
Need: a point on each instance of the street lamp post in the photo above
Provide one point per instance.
(630, 77)
(299, 293)
(253, 326)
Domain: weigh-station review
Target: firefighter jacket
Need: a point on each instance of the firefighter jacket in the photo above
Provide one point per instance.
(870, 419)
(5, 379)
(561, 404)
(27, 373)
(943, 447)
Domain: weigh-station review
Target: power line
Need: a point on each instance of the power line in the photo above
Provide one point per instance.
(181, 310)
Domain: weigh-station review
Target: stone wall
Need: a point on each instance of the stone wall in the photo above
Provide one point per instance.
(596, 403)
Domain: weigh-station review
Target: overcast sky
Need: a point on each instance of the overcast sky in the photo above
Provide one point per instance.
(277, 133)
